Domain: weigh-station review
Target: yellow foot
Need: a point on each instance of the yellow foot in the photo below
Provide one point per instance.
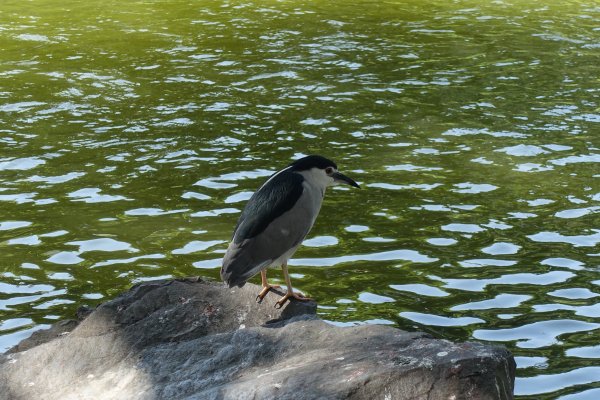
(264, 291)
(288, 295)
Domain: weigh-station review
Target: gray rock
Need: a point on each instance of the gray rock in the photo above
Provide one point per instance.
(192, 339)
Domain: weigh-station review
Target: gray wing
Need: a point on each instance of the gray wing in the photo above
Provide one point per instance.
(246, 257)
(278, 195)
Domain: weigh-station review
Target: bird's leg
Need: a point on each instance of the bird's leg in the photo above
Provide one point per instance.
(265, 286)
(290, 292)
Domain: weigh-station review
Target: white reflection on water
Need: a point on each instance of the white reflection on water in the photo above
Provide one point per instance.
(373, 298)
(377, 321)
(392, 255)
(504, 300)
(32, 240)
(538, 202)
(471, 131)
(153, 211)
(438, 320)
(584, 352)
(417, 186)
(574, 293)
(563, 263)
(24, 288)
(532, 167)
(463, 228)
(378, 239)
(128, 260)
(20, 163)
(103, 244)
(486, 262)
(54, 233)
(529, 362)
(585, 158)
(8, 340)
(442, 241)
(197, 246)
(590, 394)
(208, 264)
(56, 179)
(65, 258)
(61, 276)
(411, 167)
(591, 311)
(215, 213)
(195, 195)
(92, 195)
(577, 212)
(576, 240)
(500, 248)
(9, 225)
(321, 241)
(238, 197)
(523, 150)
(421, 289)
(537, 334)
(210, 183)
(554, 382)
(16, 300)
(477, 285)
(356, 228)
(473, 188)
(20, 107)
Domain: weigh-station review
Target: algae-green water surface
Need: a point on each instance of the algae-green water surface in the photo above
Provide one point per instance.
(133, 132)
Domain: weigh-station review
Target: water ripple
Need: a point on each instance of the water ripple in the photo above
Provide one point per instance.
(10, 225)
(479, 203)
(477, 285)
(554, 382)
(93, 195)
(103, 244)
(392, 255)
(421, 290)
(590, 240)
(504, 300)
(438, 320)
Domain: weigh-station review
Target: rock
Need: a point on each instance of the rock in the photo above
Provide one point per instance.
(193, 339)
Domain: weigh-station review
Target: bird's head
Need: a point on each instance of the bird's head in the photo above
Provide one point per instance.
(321, 171)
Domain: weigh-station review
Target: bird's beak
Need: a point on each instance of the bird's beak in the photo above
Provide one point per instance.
(341, 178)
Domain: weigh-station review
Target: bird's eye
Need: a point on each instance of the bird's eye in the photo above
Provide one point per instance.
(329, 170)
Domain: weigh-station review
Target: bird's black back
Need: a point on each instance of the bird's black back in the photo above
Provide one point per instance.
(269, 202)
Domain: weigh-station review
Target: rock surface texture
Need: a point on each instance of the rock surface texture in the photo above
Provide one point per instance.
(192, 339)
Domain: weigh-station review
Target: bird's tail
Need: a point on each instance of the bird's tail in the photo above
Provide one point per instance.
(230, 279)
(235, 271)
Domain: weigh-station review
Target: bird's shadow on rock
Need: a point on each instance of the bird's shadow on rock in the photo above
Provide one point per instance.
(292, 310)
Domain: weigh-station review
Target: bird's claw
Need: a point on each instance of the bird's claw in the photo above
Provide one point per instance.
(288, 295)
(264, 291)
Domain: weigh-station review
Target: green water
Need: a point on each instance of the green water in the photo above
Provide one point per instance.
(132, 132)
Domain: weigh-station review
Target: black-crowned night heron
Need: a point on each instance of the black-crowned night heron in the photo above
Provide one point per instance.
(276, 220)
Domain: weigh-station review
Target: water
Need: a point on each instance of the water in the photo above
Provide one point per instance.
(132, 133)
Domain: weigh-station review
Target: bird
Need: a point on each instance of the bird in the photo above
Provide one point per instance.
(275, 221)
